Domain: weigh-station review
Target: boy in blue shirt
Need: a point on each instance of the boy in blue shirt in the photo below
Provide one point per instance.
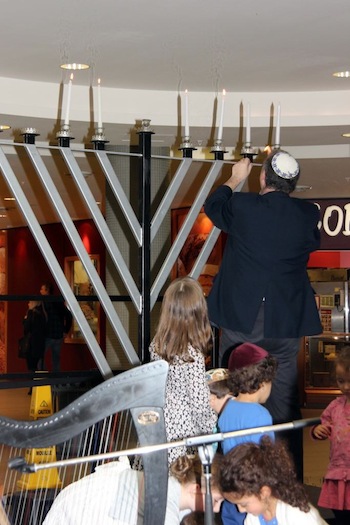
(238, 399)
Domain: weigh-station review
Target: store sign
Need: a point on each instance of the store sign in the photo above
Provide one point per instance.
(334, 223)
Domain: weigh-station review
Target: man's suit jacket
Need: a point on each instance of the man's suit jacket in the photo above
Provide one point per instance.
(269, 239)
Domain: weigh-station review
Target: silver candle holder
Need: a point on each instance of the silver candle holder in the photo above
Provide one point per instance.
(218, 149)
(248, 151)
(99, 139)
(29, 135)
(145, 126)
(64, 136)
(187, 147)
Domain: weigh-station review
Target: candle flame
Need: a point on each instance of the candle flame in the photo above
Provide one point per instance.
(71, 76)
(98, 81)
(223, 92)
(186, 91)
(268, 149)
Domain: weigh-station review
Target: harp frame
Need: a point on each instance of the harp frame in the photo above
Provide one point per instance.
(140, 390)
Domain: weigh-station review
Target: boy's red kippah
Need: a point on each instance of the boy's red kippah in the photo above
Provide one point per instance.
(246, 354)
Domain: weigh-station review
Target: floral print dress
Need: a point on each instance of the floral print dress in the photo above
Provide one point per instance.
(187, 411)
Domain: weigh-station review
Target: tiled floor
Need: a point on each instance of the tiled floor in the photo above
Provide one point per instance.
(315, 454)
(315, 463)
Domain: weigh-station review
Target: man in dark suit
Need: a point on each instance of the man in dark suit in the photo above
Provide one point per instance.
(262, 292)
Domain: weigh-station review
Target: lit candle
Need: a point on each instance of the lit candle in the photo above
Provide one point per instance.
(99, 110)
(69, 95)
(278, 126)
(221, 123)
(247, 131)
(187, 126)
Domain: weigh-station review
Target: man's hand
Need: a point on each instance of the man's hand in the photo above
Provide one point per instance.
(240, 172)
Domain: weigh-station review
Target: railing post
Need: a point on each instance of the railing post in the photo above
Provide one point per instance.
(145, 134)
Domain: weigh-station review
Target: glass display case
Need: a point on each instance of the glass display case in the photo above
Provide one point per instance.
(320, 385)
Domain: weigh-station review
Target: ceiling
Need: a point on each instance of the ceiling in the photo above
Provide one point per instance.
(203, 46)
(200, 45)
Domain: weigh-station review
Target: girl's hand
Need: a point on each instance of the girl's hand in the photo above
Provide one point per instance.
(321, 431)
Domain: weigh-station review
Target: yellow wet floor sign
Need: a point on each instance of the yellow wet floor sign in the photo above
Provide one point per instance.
(40, 407)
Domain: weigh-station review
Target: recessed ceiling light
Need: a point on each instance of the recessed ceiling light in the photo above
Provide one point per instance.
(342, 74)
(9, 199)
(346, 135)
(4, 127)
(75, 66)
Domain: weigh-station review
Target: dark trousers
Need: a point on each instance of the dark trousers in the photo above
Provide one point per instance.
(283, 403)
(342, 517)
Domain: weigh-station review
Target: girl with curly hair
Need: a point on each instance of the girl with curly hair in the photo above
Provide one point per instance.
(261, 480)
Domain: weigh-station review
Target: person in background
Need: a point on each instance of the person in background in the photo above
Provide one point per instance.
(261, 480)
(335, 426)
(220, 392)
(251, 372)
(113, 494)
(262, 293)
(58, 323)
(34, 325)
(183, 338)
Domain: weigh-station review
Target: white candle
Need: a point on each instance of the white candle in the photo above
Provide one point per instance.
(69, 95)
(278, 126)
(187, 126)
(221, 123)
(247, 131)
(99, 110)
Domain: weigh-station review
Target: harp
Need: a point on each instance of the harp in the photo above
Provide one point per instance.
(205, 449)
(87, 425)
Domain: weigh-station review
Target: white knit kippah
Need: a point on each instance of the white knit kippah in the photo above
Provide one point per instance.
(284, 165)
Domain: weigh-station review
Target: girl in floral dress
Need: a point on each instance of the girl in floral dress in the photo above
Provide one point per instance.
(182, 339)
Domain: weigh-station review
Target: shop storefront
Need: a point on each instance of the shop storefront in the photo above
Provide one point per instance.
(329, 275)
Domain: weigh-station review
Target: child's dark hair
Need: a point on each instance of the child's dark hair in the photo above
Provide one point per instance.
(343, 358)
(248, 467)
(220, 388)
(249, 379)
